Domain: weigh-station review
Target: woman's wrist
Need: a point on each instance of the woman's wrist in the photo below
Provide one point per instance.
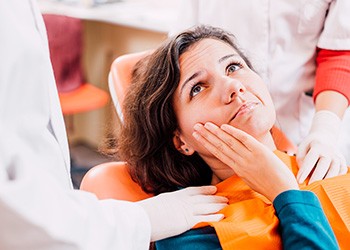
(295, 196)
(331, 101)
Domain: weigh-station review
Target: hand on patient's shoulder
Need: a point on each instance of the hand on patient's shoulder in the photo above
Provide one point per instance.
(256, 164)
(318, 154)
(173, 213)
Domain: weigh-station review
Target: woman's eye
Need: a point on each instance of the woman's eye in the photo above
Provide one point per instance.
(232, 68)
(196, 89)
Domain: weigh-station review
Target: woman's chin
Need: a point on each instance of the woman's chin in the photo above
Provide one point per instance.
(257, 130)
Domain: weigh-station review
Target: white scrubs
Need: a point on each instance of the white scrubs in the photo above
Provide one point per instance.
(280, 37)
(38, 207)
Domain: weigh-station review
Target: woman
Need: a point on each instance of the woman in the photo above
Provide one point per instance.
(201, 76)
(302, 51)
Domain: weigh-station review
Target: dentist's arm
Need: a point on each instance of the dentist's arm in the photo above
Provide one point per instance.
(319, 150)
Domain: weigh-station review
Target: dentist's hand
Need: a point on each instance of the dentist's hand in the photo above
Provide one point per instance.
(318, 152)
(252, 161)
(173, 213)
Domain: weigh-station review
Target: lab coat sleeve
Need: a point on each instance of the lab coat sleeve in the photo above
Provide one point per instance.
(38, 207)
(37, 213)
(336, 30)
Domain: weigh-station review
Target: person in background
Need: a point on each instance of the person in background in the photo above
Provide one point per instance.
(38, 207)
(184, 116)
(302, 51)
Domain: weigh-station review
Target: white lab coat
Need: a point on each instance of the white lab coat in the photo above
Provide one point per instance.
(280, 37)
(38, 207)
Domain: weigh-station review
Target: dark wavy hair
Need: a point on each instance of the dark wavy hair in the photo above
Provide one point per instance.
(145, 140)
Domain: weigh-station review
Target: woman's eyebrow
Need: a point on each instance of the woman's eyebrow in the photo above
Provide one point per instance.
(188, 80)
(224, 58)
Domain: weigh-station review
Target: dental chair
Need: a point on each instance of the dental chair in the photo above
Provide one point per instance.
(112, 180)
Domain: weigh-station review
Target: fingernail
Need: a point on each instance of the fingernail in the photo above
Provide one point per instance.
(223, 126)
(298, 178)
(195, 135)
(299, 175)
(209, 125)
(197, 126)
(301, 180)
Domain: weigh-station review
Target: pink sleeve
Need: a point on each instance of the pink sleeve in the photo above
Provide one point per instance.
(333, 72)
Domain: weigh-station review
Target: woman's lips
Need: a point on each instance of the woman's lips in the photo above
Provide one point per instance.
(245, 108)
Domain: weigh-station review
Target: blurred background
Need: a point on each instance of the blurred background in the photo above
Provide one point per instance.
(85, 36)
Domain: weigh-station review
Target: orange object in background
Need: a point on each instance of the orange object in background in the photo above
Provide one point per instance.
(85, 98)
(111, 180)
(65, 35)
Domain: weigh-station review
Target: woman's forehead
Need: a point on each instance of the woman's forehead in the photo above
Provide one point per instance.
(206, 49)
(205, 53)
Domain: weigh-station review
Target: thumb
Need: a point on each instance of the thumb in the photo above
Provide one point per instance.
(303, 149)
(208, 218)
(198, 190)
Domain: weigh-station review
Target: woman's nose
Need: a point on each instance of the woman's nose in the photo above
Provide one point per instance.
(233, 89)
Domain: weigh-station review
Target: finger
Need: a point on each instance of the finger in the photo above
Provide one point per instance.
(227, 144)
(302, 151)
(343, 166)
(218, 152)
(308, 164)
(334, 169)
(321, 169)
(247, 140)
(209, 135)
(205, 199)
(230, 140)
(221, 141)
(208, 218)
(343, 170)
(204, 209)
(206, 190)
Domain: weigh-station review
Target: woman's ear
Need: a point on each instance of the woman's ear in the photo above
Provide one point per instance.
(181, 145)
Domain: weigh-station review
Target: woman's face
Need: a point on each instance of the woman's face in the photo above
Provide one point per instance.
(216, 85)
